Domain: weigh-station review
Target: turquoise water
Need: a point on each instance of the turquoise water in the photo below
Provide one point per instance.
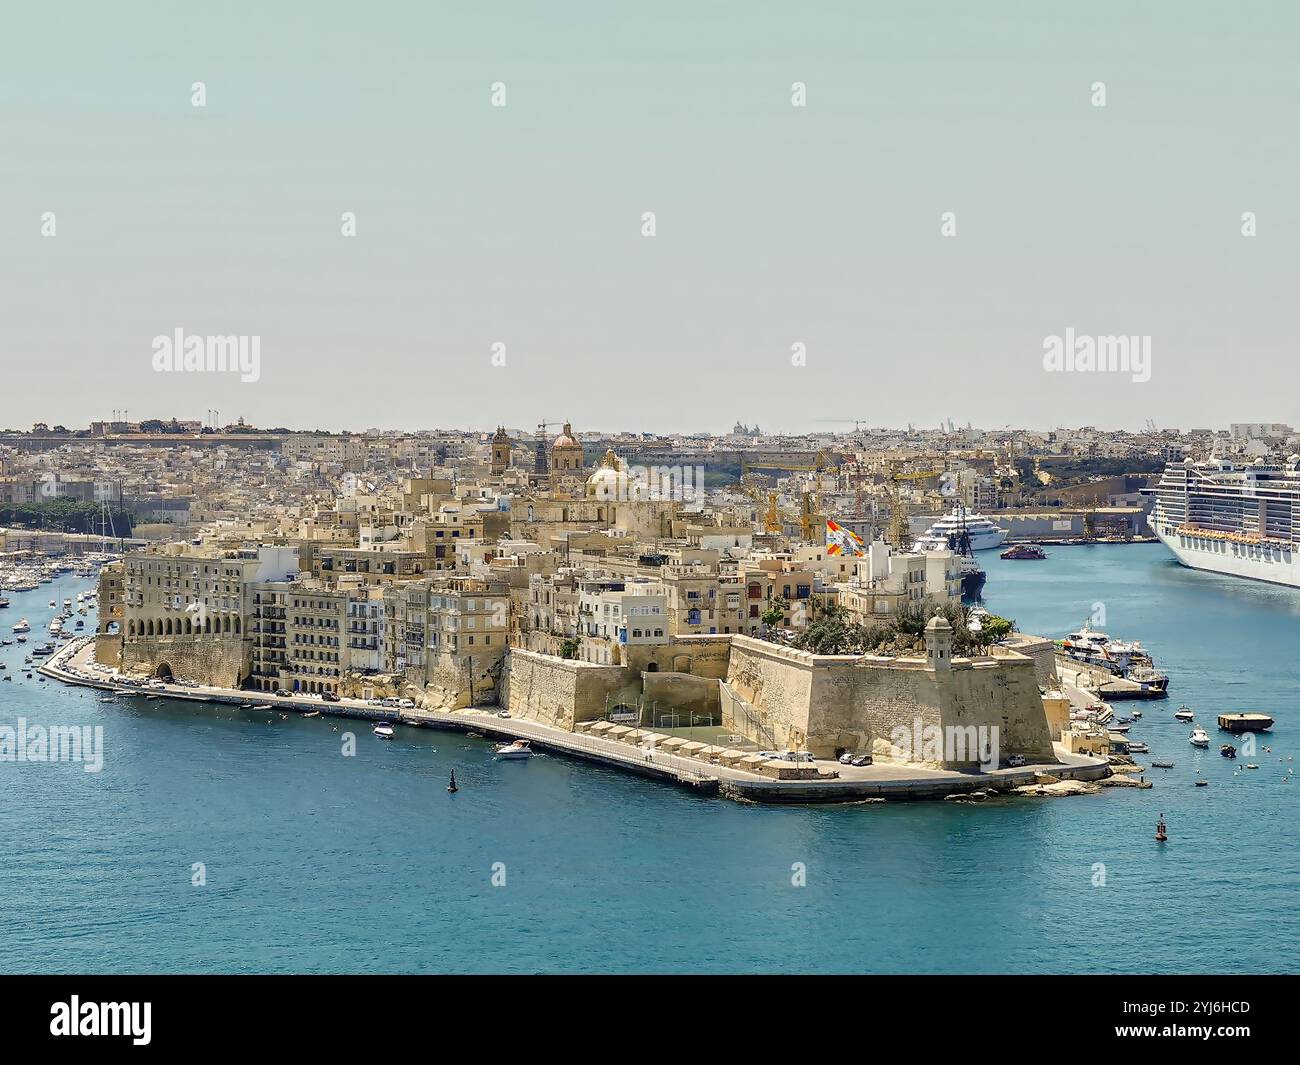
(320, 863)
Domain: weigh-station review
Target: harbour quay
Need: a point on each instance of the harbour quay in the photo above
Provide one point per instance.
(638, 751)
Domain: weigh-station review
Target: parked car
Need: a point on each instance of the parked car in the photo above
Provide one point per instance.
(329, 697)
(405, 704)
(281, 693)
(1016, 761)
(503, 713)
(389, 702)
(861, 760)
(798, 756)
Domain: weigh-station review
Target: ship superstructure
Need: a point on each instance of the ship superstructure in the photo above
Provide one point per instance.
(1230, 517)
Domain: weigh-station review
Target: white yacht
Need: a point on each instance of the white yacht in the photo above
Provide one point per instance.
(518, 749)
(946, 534)
(384, 730)
(1184, 714)
(23, 626)
(1199, 737)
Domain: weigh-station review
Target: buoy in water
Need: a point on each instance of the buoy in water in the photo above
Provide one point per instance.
(451, 787)
(1161, 833)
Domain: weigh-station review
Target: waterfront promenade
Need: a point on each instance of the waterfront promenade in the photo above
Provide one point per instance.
(71, 665)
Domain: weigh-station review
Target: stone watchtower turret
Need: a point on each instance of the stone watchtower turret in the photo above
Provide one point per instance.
(938, 643)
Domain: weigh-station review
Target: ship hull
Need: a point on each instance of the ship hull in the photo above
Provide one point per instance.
(1276, 566)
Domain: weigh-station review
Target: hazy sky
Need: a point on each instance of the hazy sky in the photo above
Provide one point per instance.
(775, 224)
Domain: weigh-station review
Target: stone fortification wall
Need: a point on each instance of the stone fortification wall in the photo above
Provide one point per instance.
(204, 659)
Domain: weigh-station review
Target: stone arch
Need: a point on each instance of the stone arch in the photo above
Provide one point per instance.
(225, 624)
(150, 627)
(652, 667)
(236, 624)
(207, 626)
(164, 672)
(681, 663)
(130, 630)
(189, 626)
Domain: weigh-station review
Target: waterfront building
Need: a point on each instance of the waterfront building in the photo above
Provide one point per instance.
(184, 610)
(468, 635)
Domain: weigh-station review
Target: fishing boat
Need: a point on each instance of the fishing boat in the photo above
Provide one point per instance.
(514, 751)
(1138, 746)
(312, 713)
(1200, 783)
(1199, 737)
(384, 730)
(1183, 714)
(1162, 765)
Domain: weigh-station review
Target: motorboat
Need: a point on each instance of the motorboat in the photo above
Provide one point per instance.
(1024, 552)
(1199, 737)
(1162, 765)
(384, 730)
(312, 713)
(1138, 746)
(1227, 750)
(514, 751)
(1183, 714)
(23, 626)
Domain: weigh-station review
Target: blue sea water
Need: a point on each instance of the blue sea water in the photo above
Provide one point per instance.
(316, 862)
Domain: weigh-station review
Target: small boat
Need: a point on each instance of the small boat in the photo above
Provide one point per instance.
(451, 785)
(1030, 552)
(1162, 833)
(312, 713)
(1251, 765)
(153, 696)
(1138, 746)
(384, 730)
(23, 626)
(1137, 713)
(1202, 783)
(1199, 737)
(1162, 765)
(262, 706)
(515, 751)
(245, 706)
(1227, 750)
(22, 639)
(1184, 714)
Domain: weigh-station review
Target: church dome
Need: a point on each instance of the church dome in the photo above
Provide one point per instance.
(566, 452)
(609, 479)
(566, 439)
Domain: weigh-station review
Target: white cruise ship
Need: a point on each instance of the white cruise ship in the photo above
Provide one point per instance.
(945, 534)
(1230, 517)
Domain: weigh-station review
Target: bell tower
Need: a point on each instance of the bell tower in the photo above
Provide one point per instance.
(500, 452)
